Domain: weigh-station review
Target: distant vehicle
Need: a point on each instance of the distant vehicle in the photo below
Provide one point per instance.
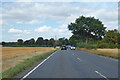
(68, 46)
(72, 47)
(63, 47)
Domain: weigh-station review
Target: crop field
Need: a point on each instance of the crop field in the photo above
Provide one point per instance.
(12, 56)
(104, 52)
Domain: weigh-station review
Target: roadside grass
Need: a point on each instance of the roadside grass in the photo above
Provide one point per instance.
(26, 64)
(101, 52)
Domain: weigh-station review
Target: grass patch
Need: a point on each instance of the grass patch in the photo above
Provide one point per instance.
(115, 57)
(26, 64)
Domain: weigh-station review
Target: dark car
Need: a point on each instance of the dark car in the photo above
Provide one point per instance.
(63, 47)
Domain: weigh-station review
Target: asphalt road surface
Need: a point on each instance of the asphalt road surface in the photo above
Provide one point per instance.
(75, 64)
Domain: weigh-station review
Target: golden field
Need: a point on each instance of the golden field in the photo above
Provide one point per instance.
(109, 52)
(12, 56)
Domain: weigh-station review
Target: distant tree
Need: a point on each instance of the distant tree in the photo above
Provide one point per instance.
(61, 41)
(3, 43)
(46, 42)
(66, 41)
(32, 41)
(51, 42)
(27, 42)
(20, 41)
(87, 27)
(40, 41)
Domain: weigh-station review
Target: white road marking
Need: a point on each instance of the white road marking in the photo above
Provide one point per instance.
(37, 66)
(79, 59)
(102, 75)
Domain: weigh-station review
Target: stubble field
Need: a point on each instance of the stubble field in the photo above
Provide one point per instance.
(113, 53)
(12, 56)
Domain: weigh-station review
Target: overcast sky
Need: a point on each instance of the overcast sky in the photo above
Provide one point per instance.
(25, 20)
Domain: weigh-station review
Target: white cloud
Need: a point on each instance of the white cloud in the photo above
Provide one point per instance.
(48, 31)
(12, 30)
(62, 12)
(19, 22)
(5, 25)
(33, 22)
(43, 29)
(26, 31)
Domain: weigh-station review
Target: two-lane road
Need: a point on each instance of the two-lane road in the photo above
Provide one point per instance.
(75, 64)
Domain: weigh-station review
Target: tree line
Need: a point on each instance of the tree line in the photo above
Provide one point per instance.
(40, 42)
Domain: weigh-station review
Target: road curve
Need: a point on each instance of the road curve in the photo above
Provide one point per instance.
(76, 64)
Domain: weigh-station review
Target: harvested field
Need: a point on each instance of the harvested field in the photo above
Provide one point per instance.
(106, 52)
(12, 56)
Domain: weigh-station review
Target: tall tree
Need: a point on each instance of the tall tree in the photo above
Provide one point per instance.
(87, 27)
(40, 41)
(20, 41)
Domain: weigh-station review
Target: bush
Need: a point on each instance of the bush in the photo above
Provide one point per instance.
(91, 46)
(102, 45)
(81, 44)
(106, 45)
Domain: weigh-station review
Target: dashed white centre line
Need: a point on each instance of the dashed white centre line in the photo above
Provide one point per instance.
(101, 75)
(79, 59)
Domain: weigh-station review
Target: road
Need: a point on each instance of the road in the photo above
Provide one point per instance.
(75, 64)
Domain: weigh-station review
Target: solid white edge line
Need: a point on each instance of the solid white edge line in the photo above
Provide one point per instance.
(37, 66)
(102, 75)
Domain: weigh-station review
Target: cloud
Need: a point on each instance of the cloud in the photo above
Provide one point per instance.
(62, 12)
(5, 25)
(48, 31)
(19, 22)
(43, 29)
(12, 30)
(33, 22)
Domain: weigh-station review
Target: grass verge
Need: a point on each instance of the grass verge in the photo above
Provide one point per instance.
(26, 64)
(99, 53)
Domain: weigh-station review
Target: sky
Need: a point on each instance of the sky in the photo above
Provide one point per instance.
(26, 20)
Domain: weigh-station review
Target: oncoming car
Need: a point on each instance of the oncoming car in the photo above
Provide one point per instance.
(63, 47)
(72, 47)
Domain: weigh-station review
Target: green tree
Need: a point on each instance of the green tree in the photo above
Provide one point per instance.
(3, 43)
(112, 35)
(61, 41)
(46, 42)
(66, 41)
(87, 27)
(40, 41)
(31, 41)
(27, 42)
(51, 42)
(20, 41)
